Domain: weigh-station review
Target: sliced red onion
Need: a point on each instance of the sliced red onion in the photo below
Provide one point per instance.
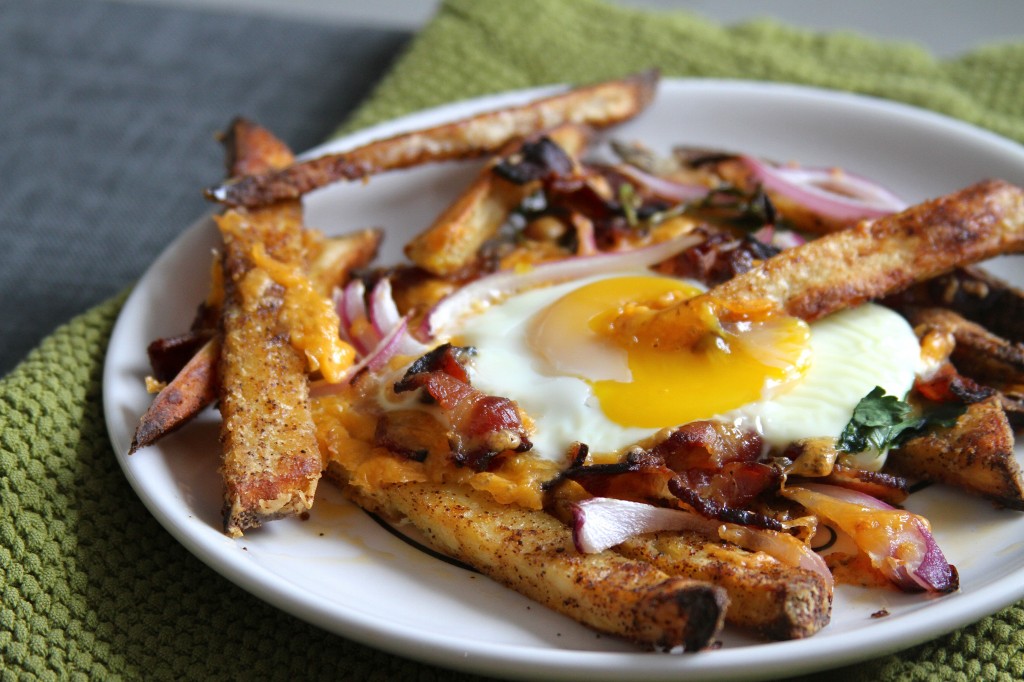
(504, 283)
(391, 344)
(854, 197)
(898, 542)
(351, 303)
(603, 522)
(663, 188)
(783, 239)
(787, 239)
(356, 326)
(383, 312)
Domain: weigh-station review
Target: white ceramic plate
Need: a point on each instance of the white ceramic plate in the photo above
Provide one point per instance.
(343, 572)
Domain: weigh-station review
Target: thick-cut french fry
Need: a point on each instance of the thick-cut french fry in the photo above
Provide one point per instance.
(192, 389)
(533, 553)
(335, 257)
(453, 240)
(271, 462)
(866, 262)
(598, 105)
(766, 596)
(975, 454)
(270, 459)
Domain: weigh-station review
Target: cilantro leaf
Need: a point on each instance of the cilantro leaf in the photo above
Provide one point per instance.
(881, 421)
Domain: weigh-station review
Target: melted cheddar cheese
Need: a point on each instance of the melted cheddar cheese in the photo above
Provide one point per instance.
(311, 320)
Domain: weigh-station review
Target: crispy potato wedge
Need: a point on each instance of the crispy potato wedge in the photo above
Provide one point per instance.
(772, 599)
(598, 105)
(533, 553)
(191, 390)
(866, 262)
(452, 241)
(976, 295)
(978, 353)
(975, 454)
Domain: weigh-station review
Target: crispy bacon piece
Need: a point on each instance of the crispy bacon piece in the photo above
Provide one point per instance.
(170, 354)
(947, 385)
(445, 358)
(708, 445)
(482, 427)
(536, 160)
(722, 494)
(889, 488)
(639, 477)
(718, 259)
(709, 466)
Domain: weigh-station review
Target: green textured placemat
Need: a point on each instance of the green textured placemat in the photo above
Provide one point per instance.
(93, 588)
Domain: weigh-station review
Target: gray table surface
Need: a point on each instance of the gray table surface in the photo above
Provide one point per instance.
(107, 120)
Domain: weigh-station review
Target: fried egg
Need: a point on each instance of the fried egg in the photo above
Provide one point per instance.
(548, 350)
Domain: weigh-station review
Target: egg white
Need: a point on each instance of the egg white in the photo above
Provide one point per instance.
(852, 352)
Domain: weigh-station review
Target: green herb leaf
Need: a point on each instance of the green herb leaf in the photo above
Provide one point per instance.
(881, 421)
(629, 202)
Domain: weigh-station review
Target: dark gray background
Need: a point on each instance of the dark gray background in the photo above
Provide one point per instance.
(107, 119)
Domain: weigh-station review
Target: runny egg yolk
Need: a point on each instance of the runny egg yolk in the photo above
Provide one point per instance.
(641, 385)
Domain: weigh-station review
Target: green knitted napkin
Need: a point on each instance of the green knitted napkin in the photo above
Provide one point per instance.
(92, 586)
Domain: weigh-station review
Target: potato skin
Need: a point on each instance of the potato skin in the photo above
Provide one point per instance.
(975, 454)
(533, 553)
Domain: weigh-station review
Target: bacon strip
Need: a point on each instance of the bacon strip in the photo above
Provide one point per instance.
(708, 466)
(482, 426)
